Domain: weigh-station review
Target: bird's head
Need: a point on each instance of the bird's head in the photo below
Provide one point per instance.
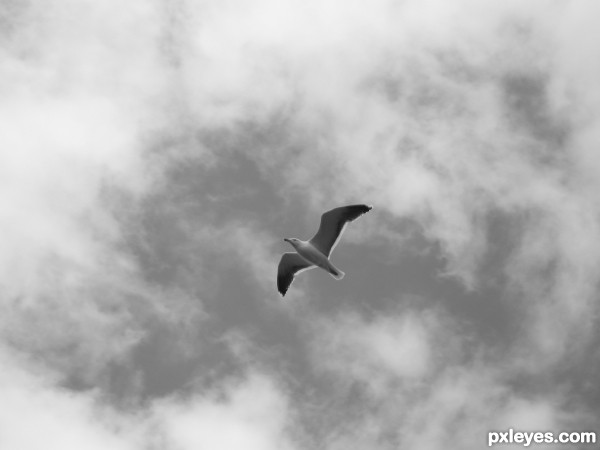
(295, 242)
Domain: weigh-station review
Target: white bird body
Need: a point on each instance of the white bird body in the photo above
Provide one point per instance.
(313, 256)
(316, 251)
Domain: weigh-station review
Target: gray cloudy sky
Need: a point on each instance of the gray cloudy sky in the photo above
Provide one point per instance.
(153, 155)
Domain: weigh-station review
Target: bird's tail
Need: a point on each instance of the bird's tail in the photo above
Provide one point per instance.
(336, 273)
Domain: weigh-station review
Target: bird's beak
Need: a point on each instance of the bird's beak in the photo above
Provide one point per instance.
(286, 240)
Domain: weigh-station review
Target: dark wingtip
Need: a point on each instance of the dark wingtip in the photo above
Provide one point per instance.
(281, 288)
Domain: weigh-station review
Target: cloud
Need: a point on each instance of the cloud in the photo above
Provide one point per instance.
(475, 121)
(252, 415)
(447, 117)
(458, 127)
(380, 352)
(38, 414)
(421, 380)
(74, 164)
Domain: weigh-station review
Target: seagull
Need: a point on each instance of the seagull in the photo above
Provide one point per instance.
(316, 252)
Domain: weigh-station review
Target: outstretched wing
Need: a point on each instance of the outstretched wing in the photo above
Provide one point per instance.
(332, 226)
(290, 265)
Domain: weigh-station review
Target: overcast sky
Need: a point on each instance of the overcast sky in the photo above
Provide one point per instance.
(154, 154)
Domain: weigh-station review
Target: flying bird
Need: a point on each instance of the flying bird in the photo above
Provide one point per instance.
(316, 252)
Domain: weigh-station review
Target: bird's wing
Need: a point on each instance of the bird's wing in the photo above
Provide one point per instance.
(332, 226)
(290, 265)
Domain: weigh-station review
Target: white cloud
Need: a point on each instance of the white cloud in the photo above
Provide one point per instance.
(380, 352)
(83, 86)
(427, 117)
(427, 383)
(37, 414)
(250, 414)
(408, 104)
(253, 415)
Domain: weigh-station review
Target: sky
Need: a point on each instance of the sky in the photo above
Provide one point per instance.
(154, 154)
